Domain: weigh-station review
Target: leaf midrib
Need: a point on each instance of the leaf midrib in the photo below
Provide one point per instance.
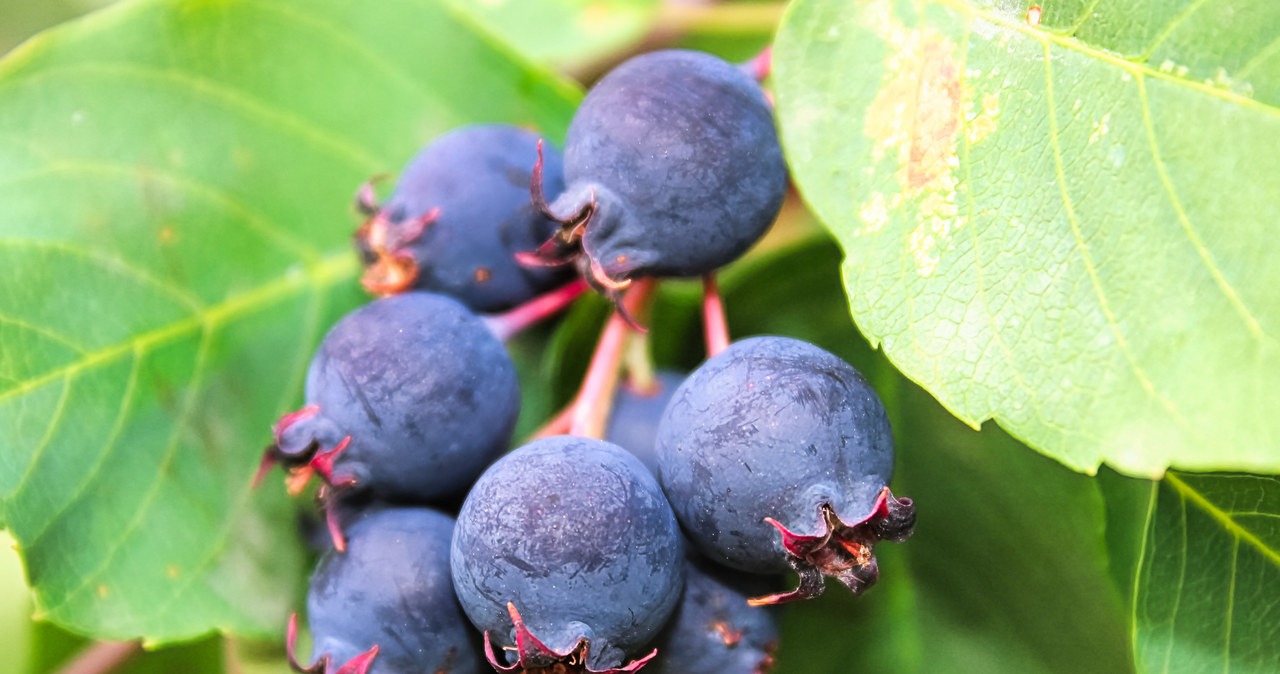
(328, 271)
(1136, 68)
(1228, 524)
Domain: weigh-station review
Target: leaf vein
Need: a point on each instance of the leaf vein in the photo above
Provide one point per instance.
(255, 220)
(1170, 27)
(1231, 526)
(1194, 236)
(113, 438)
(43, 332)
(1090, 268)
(324, 273)
(1258, 59)
(1072, 44)
(230, 97)
(393, 69)
(996, 334)
(46, 439)
(148, 499)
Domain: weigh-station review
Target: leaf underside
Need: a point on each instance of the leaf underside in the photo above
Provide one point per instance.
(1057, 220)
(175, 189)
(1198, 557)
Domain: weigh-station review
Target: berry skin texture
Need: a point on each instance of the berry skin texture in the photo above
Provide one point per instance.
(391, 588)
(576, 536)
(633, 424)
(777, 454)
(674, 163)
(715, 630)
(418, 389)
(459, 214)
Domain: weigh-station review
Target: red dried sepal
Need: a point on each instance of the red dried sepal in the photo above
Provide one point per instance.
(389, 268)
(538, 658)
(360, 664)
(273, 454)
(843, 551)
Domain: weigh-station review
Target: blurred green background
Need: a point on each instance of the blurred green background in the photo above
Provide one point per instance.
(20, 19)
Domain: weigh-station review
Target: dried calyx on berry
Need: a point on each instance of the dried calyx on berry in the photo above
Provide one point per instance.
(777, 455)
(457, 217)
(673, 168)
(567, 556)
(408, 397)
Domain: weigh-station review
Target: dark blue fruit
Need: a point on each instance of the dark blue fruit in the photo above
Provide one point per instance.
(633, 423)
(673, 169)
(715, 630)
(459, 214)
(777, 454)
(566, 550)
(392, 589)
(414, 393)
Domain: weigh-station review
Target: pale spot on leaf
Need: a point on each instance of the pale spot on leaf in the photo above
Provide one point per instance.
(918, 116)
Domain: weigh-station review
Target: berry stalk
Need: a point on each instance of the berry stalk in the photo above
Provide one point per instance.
(715, 326)
(513, 321)
(591, 407)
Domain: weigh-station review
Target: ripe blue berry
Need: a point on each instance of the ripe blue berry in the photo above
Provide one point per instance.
(570, 541)
(673, 169)
(777, 454)
(459, 214)
(633, 423)
(392, 589)
(715, 630)
(415, 393)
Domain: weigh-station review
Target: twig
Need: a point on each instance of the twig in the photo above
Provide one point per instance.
(101, 657)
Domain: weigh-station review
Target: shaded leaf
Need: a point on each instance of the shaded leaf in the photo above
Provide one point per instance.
(1063, 226)
(175, 181)
(1007, 570)
(1199, 559)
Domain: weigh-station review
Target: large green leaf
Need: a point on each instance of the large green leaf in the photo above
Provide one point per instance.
(1198, 557)
(1065, 226)
(1007, 570)
(175, 179)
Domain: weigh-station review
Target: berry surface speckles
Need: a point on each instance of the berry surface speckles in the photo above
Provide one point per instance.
(458, 216)
(776, 454)
(576, 535)
(425, 393)
(673, 163)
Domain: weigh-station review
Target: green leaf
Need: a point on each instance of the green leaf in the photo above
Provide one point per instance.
(1199, 559)
(567, 33)
(175, 181)
(1007, 570)
(1066, 227)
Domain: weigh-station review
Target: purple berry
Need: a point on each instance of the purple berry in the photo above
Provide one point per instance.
(777, 454)
(567, 550)
(392, 589)
(414, 393)
(673, 169)
(459, 214)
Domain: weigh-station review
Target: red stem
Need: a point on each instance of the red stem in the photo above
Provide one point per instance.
(511, 322)
(761, 65)
(558, 425)
(595, 398)
(715, 326)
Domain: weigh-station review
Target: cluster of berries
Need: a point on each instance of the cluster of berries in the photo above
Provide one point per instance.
(574, 553)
